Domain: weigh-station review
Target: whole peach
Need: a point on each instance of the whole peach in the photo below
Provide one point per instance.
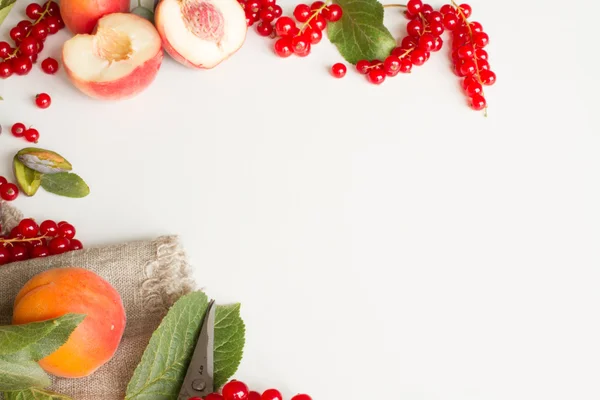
(60, 291)
(81, 16)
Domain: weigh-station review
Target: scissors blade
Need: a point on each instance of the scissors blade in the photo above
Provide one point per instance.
(198, 380)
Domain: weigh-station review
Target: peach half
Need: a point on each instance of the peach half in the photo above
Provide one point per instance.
(201, 33)
(117, 61)
(81, 16)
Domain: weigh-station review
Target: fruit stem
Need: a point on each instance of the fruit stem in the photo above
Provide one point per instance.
(42, 15)
(314, 15)
(394, 5)
(21, 240)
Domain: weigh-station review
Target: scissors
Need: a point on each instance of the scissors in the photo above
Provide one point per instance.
(198, 380)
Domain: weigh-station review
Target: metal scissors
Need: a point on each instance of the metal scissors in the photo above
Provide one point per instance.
(198, 380)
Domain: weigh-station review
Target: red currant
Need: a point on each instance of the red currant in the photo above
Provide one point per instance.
(427, 42)
(28, 46)
(317, 6)
(253, 395)
(283, 47)
(391, 66)
(5, 49)
(468, 68)
(314, 35)
(76, 245)
(32, 135)
(214, 396)
(25, 25)
(487, 77)
(435, 16)
(48, 228)
(264, 28)
(450, 21)
(19, 252)
(483, 65)
(18, 129)
(439, 43)
(5, 69)
(447, 9)
(466, 10)
(476, 27)
(301, 397)
(481, 39)
(284, 26)
(277, 10)
(414, 27)
(43, 100)
(302, 12)
(53, 24)
(300, 45)
(436, 28)
(481, 54)
(9, 191)
(2, 182)
(408, 42)
(22, 65)
(376, 76)
(50, 65)
(28, 228)
(474, 88)
(266, 15)
(363, 66)
(39, 31)
(405, 65)
(267, 3)
(333, 12)
(253, 6)
(271, 394)
(59, 245)
(5, 255)
(478, 102)
(40, 251)
(414, 6)
(235, 390)
(466, 51)
(418, 57)
(251, 17)
(67, 231)
(52, 8)
(427, 9)
(338, 70)
(33, 11)
(318, 22)
(17, 34)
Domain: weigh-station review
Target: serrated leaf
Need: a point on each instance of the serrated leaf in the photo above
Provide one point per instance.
(65, 184)
(360, 33)
(35, 394)
(17, 373)
(163, 367)
(5, 7)
(229, 342)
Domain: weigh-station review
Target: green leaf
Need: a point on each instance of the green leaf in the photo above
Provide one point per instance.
(65, 184)
(18, 373)
(5, 7)
(35, 394)
(360, 33)
(160, 373)
(229, 342)
(37, 340)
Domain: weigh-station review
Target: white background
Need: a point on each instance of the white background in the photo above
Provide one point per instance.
(385, 241)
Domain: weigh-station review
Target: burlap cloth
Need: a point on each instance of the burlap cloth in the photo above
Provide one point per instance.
(149, 275)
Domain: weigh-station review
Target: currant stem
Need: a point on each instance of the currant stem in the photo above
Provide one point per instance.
(394, 5)
(21, 240)
(42, 15)
(314, 15)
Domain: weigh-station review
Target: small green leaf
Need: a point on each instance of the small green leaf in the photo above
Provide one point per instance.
(17, 373)
(360, 33)
(5, 7)
(29, 180)
(65, 184)
(35, 394)
(229, 342)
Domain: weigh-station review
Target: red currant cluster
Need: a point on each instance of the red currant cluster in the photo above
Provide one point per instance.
(262, 11)
(30, 240)
(20, 130)
(8, 191)
(237, 390)
(29, 36)
(298, 41)
(469, 58)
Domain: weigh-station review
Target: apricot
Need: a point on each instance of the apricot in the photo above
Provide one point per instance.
(60, 291)
(81, 16)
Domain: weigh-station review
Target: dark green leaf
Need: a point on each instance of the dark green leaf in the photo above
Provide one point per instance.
(18, 373)
(65, 184)
(5, 7)
(229, 342)
(360, 33)
(35, 394)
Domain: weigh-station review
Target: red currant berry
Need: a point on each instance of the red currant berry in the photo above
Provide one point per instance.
(50, 65)
(474, 88)
(32, 135)
(405, 65)
(40, 251)
(277, 10)
(253, 6)
(376, 64)
(251, 18)
(435, 16)
(76, 245)
(5, 69)
(483, 65)
(450, 21)
(2, 182)
(271, 394)
(267, 3)
(314, 35)
(61, 223)
(253, 395)
(18, 129)
(264, 28)
(300, 45)
(28, 46)
(418, 57)
(302, 12)
(19, 252)
(53, 24)
(214, 396)
(284, 26)
(363, 66)
(52, 7)
(481, 39)
(39, 31)
(481, 54)
(301, 397)
(447, 9)
(478, 102)
(67, 231)
(332, 12)
(338, 70)
(43, 100)
(235, 390)
(436, 28)
(376, 76)
(391, 66)
(9, 191)
(466, 51)
(317, 5)
(33, 11)
(48, 228)
(22, 65)
(399, 52)
(5, 255)
(427, 42)
(414, 27)
(468, 68)
(476, 27)
(465, 9)
(17, 34)
(266, 15)
(283, 47)
(409, 42)
(5, 49)
(25, 25)
(439, 43)
(28, 228)
(318, 22)
(427, 9)
(487, 77)
(414, 7)
(59, 245)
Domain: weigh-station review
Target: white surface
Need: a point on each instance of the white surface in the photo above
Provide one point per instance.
(386, 242)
